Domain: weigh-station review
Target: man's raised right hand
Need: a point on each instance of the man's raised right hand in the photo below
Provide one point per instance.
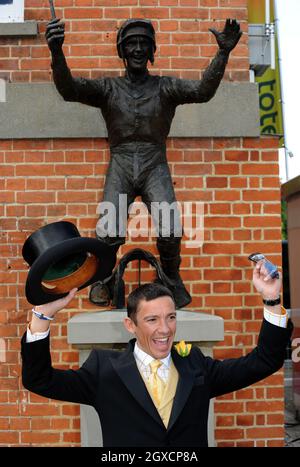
(50, 310)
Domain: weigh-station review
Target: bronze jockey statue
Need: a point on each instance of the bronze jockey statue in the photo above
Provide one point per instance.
(138, 110)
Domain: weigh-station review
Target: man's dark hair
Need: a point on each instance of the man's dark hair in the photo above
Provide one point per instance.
(145, 292)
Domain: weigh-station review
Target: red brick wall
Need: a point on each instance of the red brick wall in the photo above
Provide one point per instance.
(48, 180)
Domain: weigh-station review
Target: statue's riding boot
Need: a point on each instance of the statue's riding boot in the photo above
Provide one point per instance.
(169, 249)
(101, 292)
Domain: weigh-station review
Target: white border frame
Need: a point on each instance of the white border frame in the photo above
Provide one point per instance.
(13, 12)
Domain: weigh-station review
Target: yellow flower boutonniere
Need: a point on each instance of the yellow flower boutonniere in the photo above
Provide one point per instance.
(183, 349)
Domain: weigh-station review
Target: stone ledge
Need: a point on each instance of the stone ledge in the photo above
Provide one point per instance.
(106, 327)
(233, 112)
(28, 28)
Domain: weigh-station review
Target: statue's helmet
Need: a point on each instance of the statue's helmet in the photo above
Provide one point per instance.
(136, 27)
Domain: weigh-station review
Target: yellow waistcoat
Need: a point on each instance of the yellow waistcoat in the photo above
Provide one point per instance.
(166, 403)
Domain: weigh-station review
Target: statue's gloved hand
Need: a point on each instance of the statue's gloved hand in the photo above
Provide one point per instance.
(55, 35)
(229, 37)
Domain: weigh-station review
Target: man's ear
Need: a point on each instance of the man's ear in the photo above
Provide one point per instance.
(129, 325)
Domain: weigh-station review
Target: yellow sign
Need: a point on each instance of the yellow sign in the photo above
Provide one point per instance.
(269, 83)
(270, 102)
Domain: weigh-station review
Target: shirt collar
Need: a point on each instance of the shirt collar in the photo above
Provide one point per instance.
(146, 359)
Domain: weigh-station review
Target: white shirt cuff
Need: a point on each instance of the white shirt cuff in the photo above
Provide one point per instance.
(277, 320)
(36, 336)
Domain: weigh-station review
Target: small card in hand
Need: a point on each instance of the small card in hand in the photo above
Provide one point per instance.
(271, 268)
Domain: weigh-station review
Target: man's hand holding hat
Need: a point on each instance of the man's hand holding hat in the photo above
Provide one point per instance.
(49, 311)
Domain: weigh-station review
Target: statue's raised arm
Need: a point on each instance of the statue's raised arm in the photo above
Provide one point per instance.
(205, 89)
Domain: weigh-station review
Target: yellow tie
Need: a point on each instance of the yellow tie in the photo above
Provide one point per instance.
(156, 383)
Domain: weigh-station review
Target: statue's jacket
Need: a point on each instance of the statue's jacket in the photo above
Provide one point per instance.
(138, 114)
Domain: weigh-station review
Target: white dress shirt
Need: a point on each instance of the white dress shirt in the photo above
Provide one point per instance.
(278, 320)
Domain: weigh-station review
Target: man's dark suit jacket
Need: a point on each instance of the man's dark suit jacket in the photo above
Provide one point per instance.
(111, 383)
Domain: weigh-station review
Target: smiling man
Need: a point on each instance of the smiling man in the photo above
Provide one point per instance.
(138, 109)
(148, 394)
(152, 322)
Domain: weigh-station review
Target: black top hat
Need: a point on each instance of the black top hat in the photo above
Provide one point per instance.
(61, 259)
